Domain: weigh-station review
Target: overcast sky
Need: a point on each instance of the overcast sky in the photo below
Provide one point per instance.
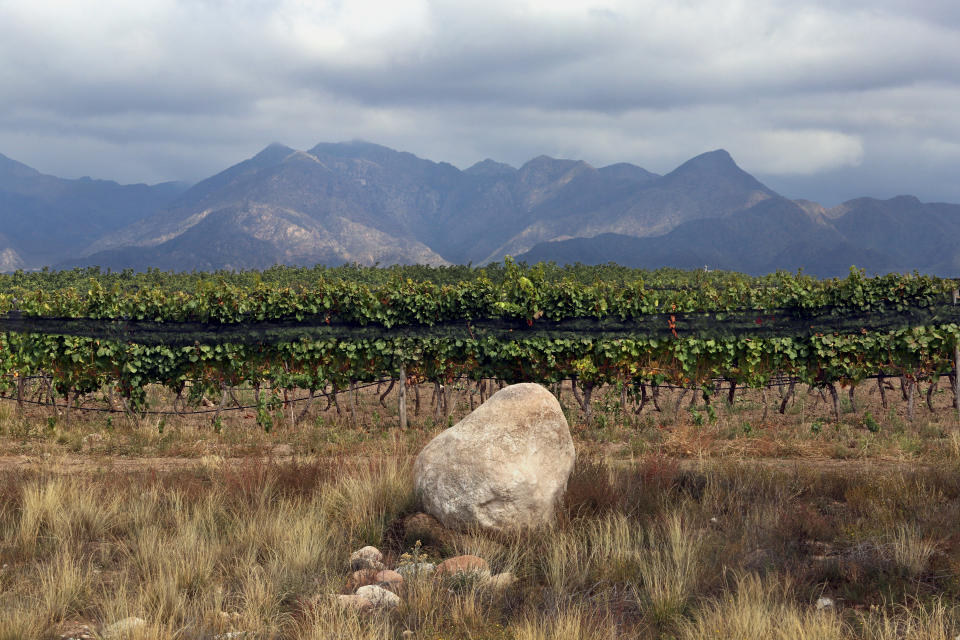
(824, 100)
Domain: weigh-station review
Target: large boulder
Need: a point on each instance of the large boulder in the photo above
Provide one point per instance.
(503, 467)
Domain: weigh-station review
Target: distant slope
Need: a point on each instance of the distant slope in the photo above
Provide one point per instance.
(46, 218)
(708, 186)
(362, 202)
(279, 206)
(879, 236)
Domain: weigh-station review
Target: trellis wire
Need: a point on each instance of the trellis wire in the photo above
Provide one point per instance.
(779, 381)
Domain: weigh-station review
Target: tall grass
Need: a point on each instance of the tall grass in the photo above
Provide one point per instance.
(921, 621)
(760, 610)
(644, 550)
(670, 568)
(910, 550)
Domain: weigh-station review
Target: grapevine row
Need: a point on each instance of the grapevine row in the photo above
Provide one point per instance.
(82, 365)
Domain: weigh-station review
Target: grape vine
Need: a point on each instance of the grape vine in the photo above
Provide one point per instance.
(397, 299)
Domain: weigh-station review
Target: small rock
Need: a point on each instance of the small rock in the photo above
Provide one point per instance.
(824, 603)
(424, 527)
(366, 558)
(464, 564)
(415, 570)
(388, 579)
(122, 627)
(501, 581)
(232, 635)
(361, 578)
(77, 632)
(714, 520)
(379, 597)
(355, 602)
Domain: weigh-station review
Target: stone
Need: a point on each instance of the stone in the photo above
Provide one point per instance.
(77, 631)
(423, 527)
(501, 581)
(388, 579)
(504, 467)
(366, 558)
(122, 628)
(361, 578)
(379, 597)
(464, 564)
(355, 601)
(414, 570)
(824, 603)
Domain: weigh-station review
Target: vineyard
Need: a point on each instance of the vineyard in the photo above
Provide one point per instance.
(87, 337)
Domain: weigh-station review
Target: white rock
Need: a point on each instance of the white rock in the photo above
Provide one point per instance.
(379, 597)
(824, 603)
(366, 558)
(122, 627)
(414, 570)
(503, 467)
(353, 602)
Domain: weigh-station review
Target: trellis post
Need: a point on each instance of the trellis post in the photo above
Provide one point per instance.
(403, 396)
(956, 363)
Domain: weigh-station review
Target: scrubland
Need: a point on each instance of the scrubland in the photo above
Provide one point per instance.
(728, 521)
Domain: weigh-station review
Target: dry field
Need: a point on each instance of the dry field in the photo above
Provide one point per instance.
(728, 521)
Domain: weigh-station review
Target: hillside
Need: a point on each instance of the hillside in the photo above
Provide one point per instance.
(45, 218)
(365, 203)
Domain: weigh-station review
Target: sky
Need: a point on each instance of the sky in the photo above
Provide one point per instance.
(822, 100)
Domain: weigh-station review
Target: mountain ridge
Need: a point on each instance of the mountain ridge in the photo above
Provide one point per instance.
(362, 202)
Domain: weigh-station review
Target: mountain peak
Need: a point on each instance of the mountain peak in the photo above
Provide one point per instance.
(355, 149)
(718, 159)
(627, 172)
(715, 168)
(490, 167)
(273, 153)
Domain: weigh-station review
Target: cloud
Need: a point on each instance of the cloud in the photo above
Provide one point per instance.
(178, 89)
(798, 151)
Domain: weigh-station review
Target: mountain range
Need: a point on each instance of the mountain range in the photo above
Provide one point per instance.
(365, 203)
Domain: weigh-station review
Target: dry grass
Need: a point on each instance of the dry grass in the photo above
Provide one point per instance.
(911, 551)
(219, 550)
(571, 623)
(921, 621)
(761, 610)
(670, 568)
(641, 548)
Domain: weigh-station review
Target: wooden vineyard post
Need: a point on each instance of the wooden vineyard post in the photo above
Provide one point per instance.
(403, 396)
(956, 363)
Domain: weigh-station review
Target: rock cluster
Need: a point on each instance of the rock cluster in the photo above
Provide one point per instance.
(375, 588)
